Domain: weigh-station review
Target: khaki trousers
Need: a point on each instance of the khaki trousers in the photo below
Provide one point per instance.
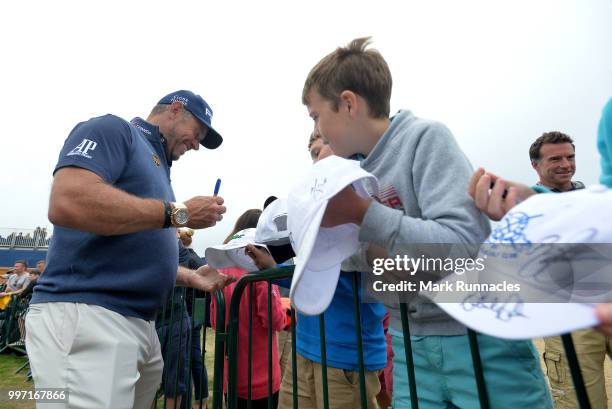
(591, 349)
(284, 350)
(343, 387)
(103, 359)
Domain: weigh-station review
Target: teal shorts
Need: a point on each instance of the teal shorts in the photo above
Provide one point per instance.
(445, 374)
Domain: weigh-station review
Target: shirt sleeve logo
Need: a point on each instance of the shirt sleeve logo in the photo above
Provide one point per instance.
(81, 149)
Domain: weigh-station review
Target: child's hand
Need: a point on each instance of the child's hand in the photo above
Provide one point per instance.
(495, 202)
(346, 207)
(263, 260)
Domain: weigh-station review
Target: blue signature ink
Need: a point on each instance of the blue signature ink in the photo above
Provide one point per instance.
(512, 229)
(504, 311)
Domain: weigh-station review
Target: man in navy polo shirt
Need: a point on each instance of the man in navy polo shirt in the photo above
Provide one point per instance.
(113, 257)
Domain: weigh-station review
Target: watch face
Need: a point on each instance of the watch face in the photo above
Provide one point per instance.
(181, 217)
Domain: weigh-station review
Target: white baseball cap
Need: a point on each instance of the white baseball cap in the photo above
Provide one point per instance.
(571, 217)
(272, 224)
(320, 250)
(233, 253)
(273, 232)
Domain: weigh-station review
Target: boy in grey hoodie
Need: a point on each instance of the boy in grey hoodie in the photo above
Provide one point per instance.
(423, 175)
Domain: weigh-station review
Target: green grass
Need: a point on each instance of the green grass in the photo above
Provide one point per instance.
(9, 381)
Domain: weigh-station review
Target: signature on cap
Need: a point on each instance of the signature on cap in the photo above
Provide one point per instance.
(316, 190)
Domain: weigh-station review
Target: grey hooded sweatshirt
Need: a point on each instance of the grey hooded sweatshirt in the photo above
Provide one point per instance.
(423, 177)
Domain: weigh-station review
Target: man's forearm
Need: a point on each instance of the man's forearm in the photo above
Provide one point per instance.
(89, 204)
(204, 278)
(184, 276)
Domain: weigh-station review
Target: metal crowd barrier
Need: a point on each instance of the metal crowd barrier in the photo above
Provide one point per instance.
(12, 325)
(172, 320)
(227, 341)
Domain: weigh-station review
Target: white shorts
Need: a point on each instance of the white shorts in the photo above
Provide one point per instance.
(103, 359)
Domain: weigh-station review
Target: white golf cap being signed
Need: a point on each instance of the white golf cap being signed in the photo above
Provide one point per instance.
(272, 231)
(553, 238)
(233, 253)
(272, 224)
(319, 250)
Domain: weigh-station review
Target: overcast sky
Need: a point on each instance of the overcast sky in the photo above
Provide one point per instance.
(497, 73)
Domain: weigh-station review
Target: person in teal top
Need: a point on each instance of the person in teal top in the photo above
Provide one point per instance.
(604, 144)
(496, 204)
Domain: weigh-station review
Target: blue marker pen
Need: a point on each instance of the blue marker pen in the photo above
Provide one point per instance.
(217, 187)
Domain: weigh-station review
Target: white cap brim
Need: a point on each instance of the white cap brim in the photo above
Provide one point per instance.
(231, 255)
(542, 220)
(314, 279)
(312, 293)
(319, 250)
(532, 320)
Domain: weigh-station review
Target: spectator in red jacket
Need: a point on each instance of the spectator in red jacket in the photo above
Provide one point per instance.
(259, 341)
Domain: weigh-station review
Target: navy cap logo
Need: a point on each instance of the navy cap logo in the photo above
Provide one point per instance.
(196, 105)
(180, 99)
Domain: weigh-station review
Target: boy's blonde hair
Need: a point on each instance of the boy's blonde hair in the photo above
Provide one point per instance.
(354, 68)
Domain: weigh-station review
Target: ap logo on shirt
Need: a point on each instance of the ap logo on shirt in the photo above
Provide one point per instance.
(82, 148)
